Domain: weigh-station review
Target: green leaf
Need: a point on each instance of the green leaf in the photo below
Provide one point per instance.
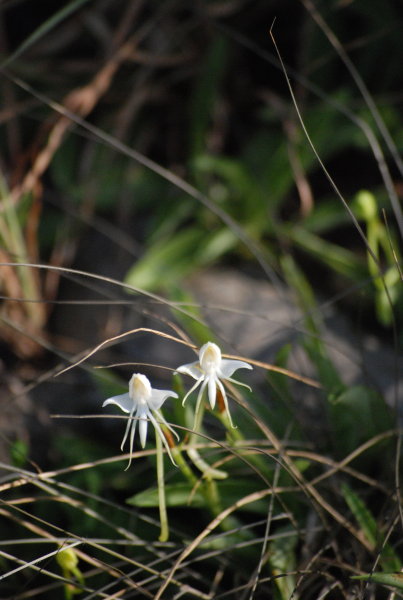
(216, 245)
(388, 558)
(392, 579)
(166, 262)
(363, 516)
(281, 414)
(282, 562)
(358, 414)
(169, 260)
(316, 349)
(19, 453)
(326, 215)
(267, 161)
(176, 494)
(343, 261)
(184, 495)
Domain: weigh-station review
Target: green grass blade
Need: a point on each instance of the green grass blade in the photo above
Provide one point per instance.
(282, 563)
(44, 28)
(389, 559)
(390, 579)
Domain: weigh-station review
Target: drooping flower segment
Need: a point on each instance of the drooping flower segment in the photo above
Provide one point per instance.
(142, 402)
(209, 371)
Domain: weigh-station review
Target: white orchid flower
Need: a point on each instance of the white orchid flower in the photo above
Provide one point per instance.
(209, 371)
(142, 403)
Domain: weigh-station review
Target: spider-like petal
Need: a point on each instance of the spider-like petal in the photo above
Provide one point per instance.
(228, 367)
(130, 423)
(167, 425)
(160, 433)
(198, 382)
(123, 401)
(245, 385)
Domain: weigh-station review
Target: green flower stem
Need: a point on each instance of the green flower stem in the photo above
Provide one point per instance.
(235, 436)
(183, 466)
(164, 534)
(208, 471)
(208, 487)
(198, 417)
(214, 500)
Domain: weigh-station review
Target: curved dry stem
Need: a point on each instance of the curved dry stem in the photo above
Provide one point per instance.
(336, 189)
(310, 491)
(319, 93)
(274, 368)
(89, 559)
(166, 174)
(371, 105)
(322, 165)
(254, 497)
(121, 336)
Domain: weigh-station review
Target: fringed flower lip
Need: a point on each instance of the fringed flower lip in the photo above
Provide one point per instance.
(142, 403)
(209, 371)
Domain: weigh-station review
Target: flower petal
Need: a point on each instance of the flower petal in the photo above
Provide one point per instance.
(193, 369)
(210, 357)
(139, 386)
(196, 385)
(159, 432)
(158, 398)
(143, 425)
(161, 419)
(245, 385)
(132, 433)
(123, 401)
(212, 391)
(132, 424)
(198, 402)
(225, 399)
(228, 367)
